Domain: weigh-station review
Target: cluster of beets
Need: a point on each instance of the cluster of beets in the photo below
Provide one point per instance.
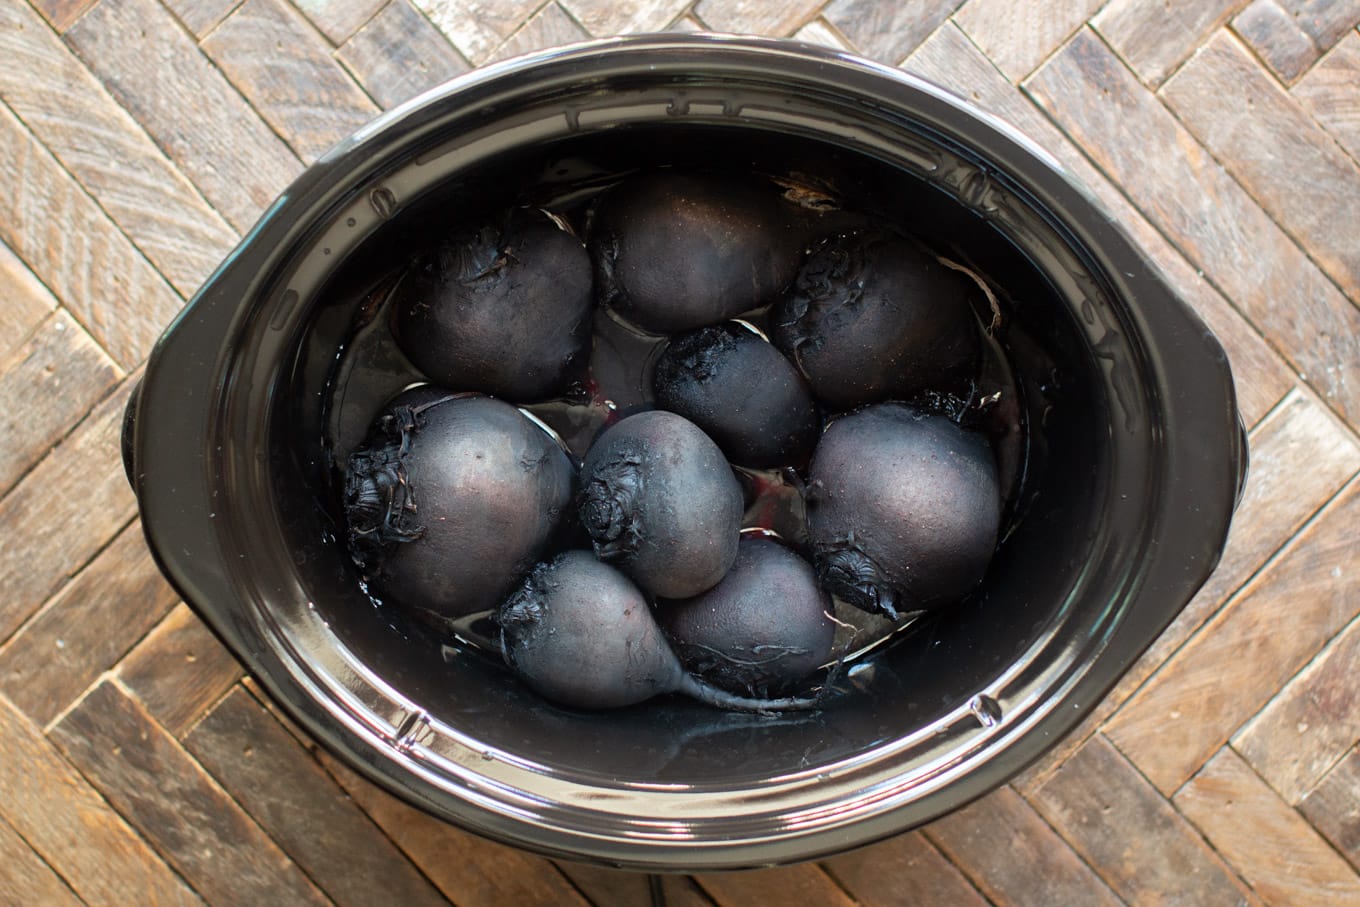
(459, 503)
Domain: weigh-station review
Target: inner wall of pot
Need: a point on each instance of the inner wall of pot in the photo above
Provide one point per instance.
(918, 680)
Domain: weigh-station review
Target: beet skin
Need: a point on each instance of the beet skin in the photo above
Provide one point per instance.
(452, 499)
(903, 509)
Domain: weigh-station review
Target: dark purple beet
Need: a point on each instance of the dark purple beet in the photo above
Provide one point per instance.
(871, 317)
(581, 634)
(661, 503)
(766, 626)
(742, 392)
(452, 499)
(676, 250)
(903, 509)
(504, 309)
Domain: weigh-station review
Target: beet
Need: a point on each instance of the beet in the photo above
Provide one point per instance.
(742, 392)
(766, 626)
(661, 503)
(503, 309)
(871, 317)
(580, 633)
(676, 250)
(452, 499)
(903, 509)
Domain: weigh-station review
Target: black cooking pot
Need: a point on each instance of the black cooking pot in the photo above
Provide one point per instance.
(1134, 461)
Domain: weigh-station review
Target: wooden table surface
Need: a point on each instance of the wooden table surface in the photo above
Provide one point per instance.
(139, 139)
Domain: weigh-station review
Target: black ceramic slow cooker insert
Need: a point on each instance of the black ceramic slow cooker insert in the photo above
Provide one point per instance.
(1134, 464)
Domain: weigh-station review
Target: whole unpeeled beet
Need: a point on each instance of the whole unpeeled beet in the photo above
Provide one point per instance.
(676, 250)
(452, 500)
(766, 626)
(871, 317)
(742, 392)
(903, 509)
(661, 503)
(503, 309)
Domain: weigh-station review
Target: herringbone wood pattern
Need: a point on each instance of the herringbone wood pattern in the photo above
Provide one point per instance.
(140, 138)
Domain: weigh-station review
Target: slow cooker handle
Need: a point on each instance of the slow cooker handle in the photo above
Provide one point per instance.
(129, 435)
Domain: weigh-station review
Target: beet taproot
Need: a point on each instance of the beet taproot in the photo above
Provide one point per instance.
(661, 503)
(452, 499)
(766, 626)
(503, 309)
(581, 634)
(903, 509)
(675, 250)
(742, 392)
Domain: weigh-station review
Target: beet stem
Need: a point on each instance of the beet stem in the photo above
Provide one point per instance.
(697, 689)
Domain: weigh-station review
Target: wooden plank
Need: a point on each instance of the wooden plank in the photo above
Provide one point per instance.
(284, 789)
(201, 16)
(179, 670)
(1277, 39)
(1311, 723)
(1300, 457)
(1204, 211)
(755, 17)
(86, 628)
(284, 67)
(147, 777)
(1230, 668)
(45, 387)
(399, 54)
(469, 870)
(1014, 857)
(27, 302)
(1333, 807)
(888, 32)
(1275, 149)
(61, 13)
(63, 512)
(66, 822)
(623, 888)
(549, 27)
(477, 27)
(1153, 38)
(105, 282)
(1271, 845)
(903, 869)
(338, 19)
(26, 879)
(1097, 798)
(803, 883)
(1018, 36)
(819, 31)
(611, 17)
(105, 149)
(1325, 21)
(1328, 93)
(231, 154)
(950, 59)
